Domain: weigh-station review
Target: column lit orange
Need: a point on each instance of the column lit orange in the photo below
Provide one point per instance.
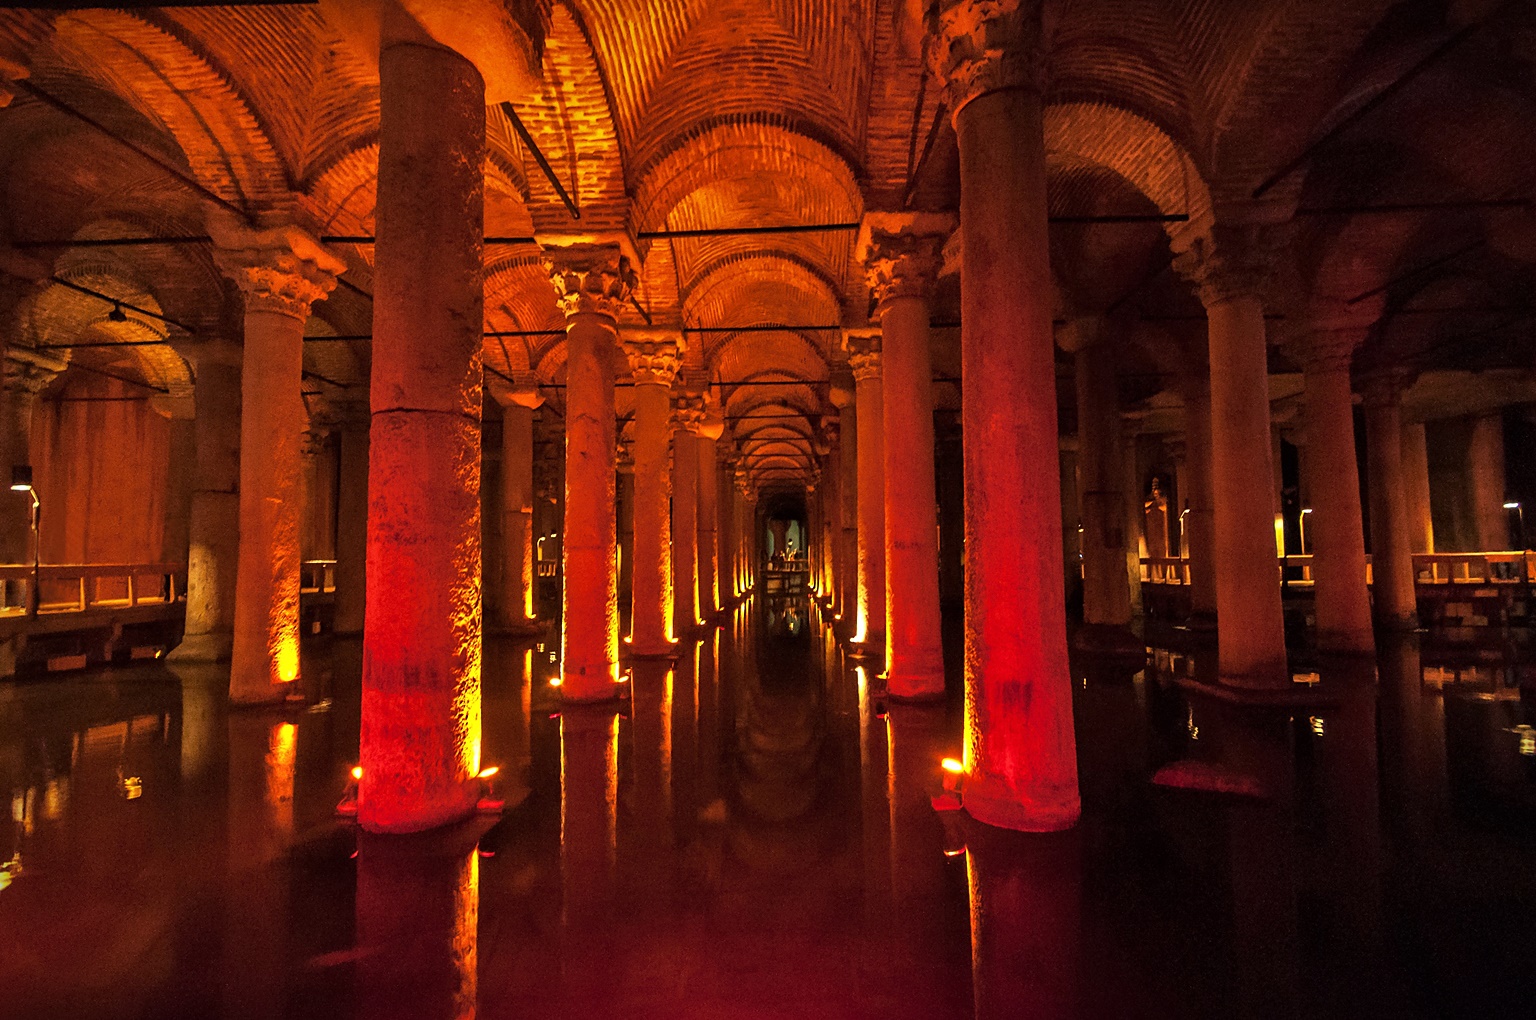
(711, 428)
(847, 513)
(420, 739)
(1230, 265)
(1020, 750)
(901, 256)
(864, 358)
(725, 567)
(829, 457)
(1393, 593)
(653, 361)
(687, 413)
(281, 273)
(518, 403)
(592, 283)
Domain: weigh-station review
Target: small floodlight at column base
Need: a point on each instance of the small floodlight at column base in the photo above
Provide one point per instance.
(21, 478)
(1507, 506)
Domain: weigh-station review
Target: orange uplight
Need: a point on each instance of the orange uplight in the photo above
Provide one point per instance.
(554, 681)
(952, 766)
(357, 772)
(487, 773)
(288, 660)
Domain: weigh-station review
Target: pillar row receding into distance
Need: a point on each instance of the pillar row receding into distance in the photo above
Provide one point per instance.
(592, 282)
(281, 272)
(1020, 750)
(1231, 265)
(863, 348)
(422, 637)
(519, 400)
(901, 256)
(654, 359)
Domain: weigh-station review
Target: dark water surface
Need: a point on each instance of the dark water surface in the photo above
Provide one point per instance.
(751, 836)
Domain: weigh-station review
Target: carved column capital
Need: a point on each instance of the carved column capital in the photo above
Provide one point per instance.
(1227, 263)
(591, 278)
(29, 371)
(654, 360)
(1385, 387)
(687, 413)
(281, 270)
(982, 46)
(863, 349)
(902, 253)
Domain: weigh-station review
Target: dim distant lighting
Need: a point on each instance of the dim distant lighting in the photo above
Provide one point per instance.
(554, 681)
(487, 853)
(952, 852)
(487, 773)
(1316, 722)
(1527, 737)
(1511, 506)
(1306, 510)
(21, 478)
(132, 787)
(357, 772)
(952, 765)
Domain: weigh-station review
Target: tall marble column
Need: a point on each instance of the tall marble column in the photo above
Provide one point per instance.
(352, 520)
(687, 414)
(1342, 602)
(864, 359)
(654, 361)
(901, 256)
(710, 430)
(1394, 596)
(519, 400)
(1020, 750)
(281, 273)
(592, 282)
(421, 710)
(1101, 456)
(1230, 265)
(214, 539)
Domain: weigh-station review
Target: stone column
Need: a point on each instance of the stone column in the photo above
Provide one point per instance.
(1485, 483)
(864, 359)
(593, 282)
(1101, 498)
(830, 463)
(422, 638)
(729, 536)
(281, 273)
(901, 256)
(352, 521)
(687, 413)
(848, 502)
(710, 430)
(1342, 600)
(1200, 522)
(1020, 755)
(1393, 593)
(624, 499)
(518, 400)
(1421, 524)
(214, 540)
(180, 475)
(654, 360)
(1230, 265)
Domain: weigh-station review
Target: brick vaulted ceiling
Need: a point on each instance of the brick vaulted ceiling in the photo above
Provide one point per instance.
(689, 114)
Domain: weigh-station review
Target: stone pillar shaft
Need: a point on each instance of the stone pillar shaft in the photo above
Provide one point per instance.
(1393, 586)
(214, 547)
(1200, 523)
(685, 524)
(869, 405)
(352, 530)
(422, 638)
(1100, 475)
(1342, 600)
(517, 513)
(655, 367)
(848, 513)
(1020, 749)
(1485, 483)
(1421, 524)
(709, 523)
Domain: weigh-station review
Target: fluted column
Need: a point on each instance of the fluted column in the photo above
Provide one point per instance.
(592, 283)
(901, 256)
(687, 413)
(422, 638)
(1342, 601)
(864, 359)
(1394, 597)
(281, 272)
(654, 362)
(214, 542)
(352, 522)
(519, 400)
(1020, 756)
(1230, 265)
(710, 430)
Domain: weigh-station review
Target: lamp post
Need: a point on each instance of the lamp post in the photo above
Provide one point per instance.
(21, 481)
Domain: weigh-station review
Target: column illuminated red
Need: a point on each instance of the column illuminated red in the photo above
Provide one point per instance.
(654, 362)
(687, 413)
(864, 358)
(711, 428)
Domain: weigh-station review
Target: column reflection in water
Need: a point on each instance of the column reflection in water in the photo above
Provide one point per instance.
(915, 736)
(589, 790)
(1025, 897)
(418, 916)
(875, 810)
(645, 831)
(261, 768)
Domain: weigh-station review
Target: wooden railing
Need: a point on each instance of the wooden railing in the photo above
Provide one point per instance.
(78, 587)
(317, 577)
(1512, 567)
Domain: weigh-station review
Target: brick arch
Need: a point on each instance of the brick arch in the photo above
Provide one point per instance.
(742, 356)
(761, 290)
(1145, 155)
(226, 147)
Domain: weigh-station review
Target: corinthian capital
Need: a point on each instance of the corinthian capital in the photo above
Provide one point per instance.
(981, 46)
(687, 413)
(863, 347)
(281, 270)
(903, 252)
(1226, 263)
(655, 356)
(590, 278)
